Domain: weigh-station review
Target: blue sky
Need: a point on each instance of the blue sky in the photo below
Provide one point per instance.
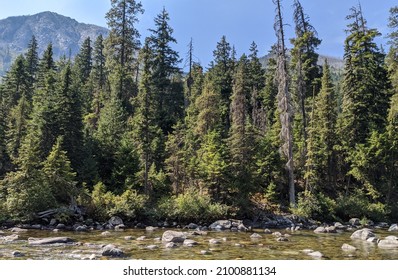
(242, 21)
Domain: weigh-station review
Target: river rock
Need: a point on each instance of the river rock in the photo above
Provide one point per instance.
(340, 226)
(106, 233)
(267, 231)
(128, 237)
(150, 228)
(190, 243)
(255, 235)
(214, 241)
(52, 222)
(152, 247)
(282, 239)
(11, 237)
(17, 254)
(60, 226)
(170, 245)
(141, 238)
(315, 254)
(82, 228)
(393, 227)
(277, 234)
(354, 222)
(221, 225)
(372, 239)
(362, 234)
(173, 236)
(390, 242)
(120, 227)
(331, 229)
(348, 247)
(18, 230)
(320, 230)
(49, 240)
(115, 221)
(192, 226)
(111, 250)
(382, 225)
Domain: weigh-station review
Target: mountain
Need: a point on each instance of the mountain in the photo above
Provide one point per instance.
(66, 35)
(334, 62)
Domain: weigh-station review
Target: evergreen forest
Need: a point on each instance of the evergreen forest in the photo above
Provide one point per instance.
(121, 130)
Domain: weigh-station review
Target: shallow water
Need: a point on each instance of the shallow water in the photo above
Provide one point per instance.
(234, 245)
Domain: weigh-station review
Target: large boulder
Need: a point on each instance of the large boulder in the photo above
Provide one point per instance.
(111, 250)
(393, 227)
(221, 225)
(49, 240)
(115, 221)
(390, 242)
(173, 236)
(363, 234)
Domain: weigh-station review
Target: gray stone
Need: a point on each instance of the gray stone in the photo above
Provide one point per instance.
(316, 254)
(111, 250)
(241, 227)
(354, 222)
(120, 227)
(151, 228)
(128, 238)
(170, 245)
(331, 229)
(362, 234)
(18, 230)
(56, 230)
(173, 236)
(141, 238)
(205, 252)
(255, 235)
(115, 221)
(393, 227)
(267, 231)
(320, 230)
(391, 237)
(157, 239)
(17, 254)
(348, 247)
(307, 251)
(60, 226)
(2, 232)
(105, 233)
(221, 225)
(49, 240)
(11, 237)
(282, 239)
(382, 225)
(152, 247)
(239, 245)
(214, 241)
(192, 226)
(372, 239)
(82, 228)
(190, 243)
(277, 234)
(92, 257)
(388, 243)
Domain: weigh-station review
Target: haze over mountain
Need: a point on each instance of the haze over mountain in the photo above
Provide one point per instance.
(66, 35)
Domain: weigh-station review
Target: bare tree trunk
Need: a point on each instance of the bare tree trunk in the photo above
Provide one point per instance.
(284, 102)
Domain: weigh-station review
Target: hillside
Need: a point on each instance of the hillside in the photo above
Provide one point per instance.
(66, 35)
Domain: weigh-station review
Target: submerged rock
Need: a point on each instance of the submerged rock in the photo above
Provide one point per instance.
(393, 227)
(214, 241)
(190, 242)
(111, 250)
(348, 247)
(362, 234)
(18, 230)
(49, 240)
(173, 236)
(255, 235)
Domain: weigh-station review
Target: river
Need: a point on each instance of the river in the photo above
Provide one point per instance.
(232, 246)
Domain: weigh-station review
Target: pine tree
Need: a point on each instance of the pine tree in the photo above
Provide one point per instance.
(165, 73)
(305, 73)
(46, 64)
(58, 174)
(270, 91)
(122, 46)
(365, 87)
(32, 60)
(321, 160)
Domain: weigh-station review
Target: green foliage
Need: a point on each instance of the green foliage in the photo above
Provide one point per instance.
(191, 206)
(316, 206)
(358, 204)
(129, 205)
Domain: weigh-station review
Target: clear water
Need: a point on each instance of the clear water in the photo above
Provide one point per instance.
(234, 245)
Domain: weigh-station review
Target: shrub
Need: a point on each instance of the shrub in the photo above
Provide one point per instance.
(358, 205)
(129, 205)
(316, 206)
(190, 206)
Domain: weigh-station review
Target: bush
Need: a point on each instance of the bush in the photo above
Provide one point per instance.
(357, 205)
(189, 207)
(129, 205)
(315, 206)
